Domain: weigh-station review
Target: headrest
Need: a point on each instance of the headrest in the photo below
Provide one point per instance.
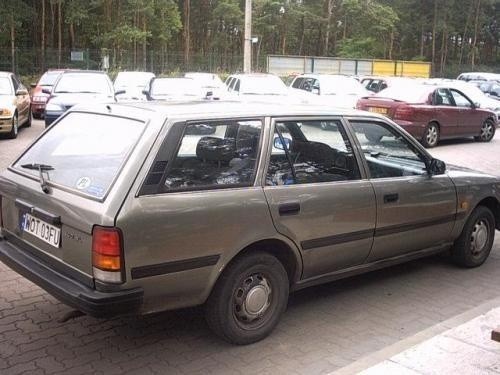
(215, 149)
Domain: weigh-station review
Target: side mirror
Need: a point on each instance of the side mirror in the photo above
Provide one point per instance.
(477, 105)
(21, 92)
(32, 85)
(315, 90)
(437, 167)
(209, 95)
(47, 91)
(279, 145)
(120, 92)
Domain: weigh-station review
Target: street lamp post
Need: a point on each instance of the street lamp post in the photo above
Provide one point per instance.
(247, 47)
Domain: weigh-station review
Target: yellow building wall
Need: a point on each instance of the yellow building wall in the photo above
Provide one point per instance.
(401, 68)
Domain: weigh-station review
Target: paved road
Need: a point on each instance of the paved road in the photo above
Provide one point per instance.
(325, 327)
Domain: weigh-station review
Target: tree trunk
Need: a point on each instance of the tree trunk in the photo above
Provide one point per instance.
(187, 11)
(391, 45)
(71, 35)
(474, 40)
(144, 44)
(464, 35)
(13, 42)
(444, 39)
(42, 59)
(329, 10)
(59, 33)
(302, 33)
(434, 26)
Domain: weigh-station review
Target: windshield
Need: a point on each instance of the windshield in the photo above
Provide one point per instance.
(83, 83)
(341, 86)
(5, 86)
(49, 78)
(133, 79)
(175, 87)
(406, 93)
(206, 79)
(85, 151)
(266, 85)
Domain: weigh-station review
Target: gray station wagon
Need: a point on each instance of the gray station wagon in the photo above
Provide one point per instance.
(128, 209)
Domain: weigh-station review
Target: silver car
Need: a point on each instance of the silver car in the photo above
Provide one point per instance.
(15, 105)
(127, 209)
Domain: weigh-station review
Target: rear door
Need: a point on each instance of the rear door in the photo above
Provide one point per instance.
(445, 113)
(317, 195)
(469, 119)
(415, 211)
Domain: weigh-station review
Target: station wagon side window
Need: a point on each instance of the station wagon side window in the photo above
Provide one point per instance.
(298, 81)
(219, 154)
(311, 152)
(387, 153)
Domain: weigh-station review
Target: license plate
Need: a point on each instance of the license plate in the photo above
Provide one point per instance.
(42, 230)
(378, 110)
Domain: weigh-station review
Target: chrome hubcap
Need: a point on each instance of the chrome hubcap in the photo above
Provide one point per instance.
(486, 131)
(252, 298)
(479, 237)
(431, 136)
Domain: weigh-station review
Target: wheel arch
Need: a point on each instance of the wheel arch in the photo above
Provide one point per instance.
(494, 205)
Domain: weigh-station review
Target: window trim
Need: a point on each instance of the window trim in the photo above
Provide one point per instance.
(169, 150)
(348, 133)
(409, 139)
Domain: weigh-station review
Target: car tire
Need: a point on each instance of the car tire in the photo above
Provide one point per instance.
(473, 246)
(37, 116)
(248, 299)
(15, 127)
(431, 135)
(487, 131)
(28, 122)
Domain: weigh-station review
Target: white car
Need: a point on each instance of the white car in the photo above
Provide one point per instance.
(14, 105)
(132, 83)
(209, 82)
(478, 76)
(472, 91)
(174, 89)
(333, 90)
(263, 87)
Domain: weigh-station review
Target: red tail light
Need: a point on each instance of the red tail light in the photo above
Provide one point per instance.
(107, 250)
(404, 112)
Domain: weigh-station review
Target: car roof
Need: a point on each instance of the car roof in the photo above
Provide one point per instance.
(252, 75)
(5, 74)
(78, 71)
(223, 109)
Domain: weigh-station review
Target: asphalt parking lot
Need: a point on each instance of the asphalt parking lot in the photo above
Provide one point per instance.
(325, 327)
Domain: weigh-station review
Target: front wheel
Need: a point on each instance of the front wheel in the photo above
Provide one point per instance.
(431, 136)
(28, 122)
(473, 246)
(248, 299)
(487, 131)
(15, 127)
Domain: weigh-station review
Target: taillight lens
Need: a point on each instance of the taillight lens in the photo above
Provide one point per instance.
(107, 251)
(404, 112)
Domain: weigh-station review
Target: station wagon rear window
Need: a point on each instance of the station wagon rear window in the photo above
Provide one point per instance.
(83, 152)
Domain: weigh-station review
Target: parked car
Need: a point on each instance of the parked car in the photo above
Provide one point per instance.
(38, 97)
(335, 90)
(478, 76)
(491, 88)
(256, 86)
(119, 209)
(77, 87)
(132, 84)
(209, 82)
(14, 105)
(431, 113)
(378, 83)
(471, 91)
(174, 89)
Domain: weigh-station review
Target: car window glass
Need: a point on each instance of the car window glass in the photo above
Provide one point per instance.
(15, 83)
(388, 153)
(442, 97)
(298, 81)
(232, 83)
(5, 87)
(307, 85)
(237, 85)
(460, 100)
(311, 152)
(215, 155)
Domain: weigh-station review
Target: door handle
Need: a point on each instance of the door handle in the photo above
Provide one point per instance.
(391, 198)
(290, 208)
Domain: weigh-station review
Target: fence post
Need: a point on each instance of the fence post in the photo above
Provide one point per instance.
(88, 58)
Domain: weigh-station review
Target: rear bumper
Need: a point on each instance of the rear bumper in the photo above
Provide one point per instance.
(70, 291)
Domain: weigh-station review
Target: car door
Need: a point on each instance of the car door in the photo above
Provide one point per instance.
(317, 194)
(470, 120)
(445, 112)
(415, 210)
(22, 101)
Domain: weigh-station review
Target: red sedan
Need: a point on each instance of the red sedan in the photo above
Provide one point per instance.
(431, 113)
(38, 98)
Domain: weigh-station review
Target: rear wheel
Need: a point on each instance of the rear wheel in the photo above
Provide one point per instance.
(15, 127)
(473, 246)
(248, 299)
(487, 131)
(431, 135)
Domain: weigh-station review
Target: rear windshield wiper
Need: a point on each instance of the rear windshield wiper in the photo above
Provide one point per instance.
(41, 168)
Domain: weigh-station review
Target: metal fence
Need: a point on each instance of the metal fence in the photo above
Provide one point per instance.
(287, 65)
(30, 62)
